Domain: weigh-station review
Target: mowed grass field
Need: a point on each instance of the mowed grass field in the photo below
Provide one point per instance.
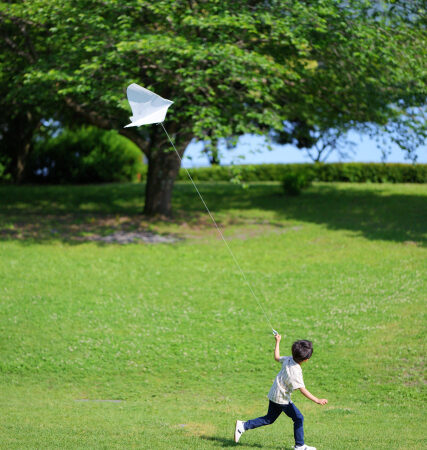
(162, 346)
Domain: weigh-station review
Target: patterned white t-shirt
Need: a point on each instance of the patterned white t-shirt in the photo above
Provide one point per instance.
(288, 379)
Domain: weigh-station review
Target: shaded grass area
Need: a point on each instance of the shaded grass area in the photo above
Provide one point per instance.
(173, 332)
(387, 212)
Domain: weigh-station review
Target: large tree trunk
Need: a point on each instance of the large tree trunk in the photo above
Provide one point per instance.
(163, 168)
(17, 142)
(22, 153)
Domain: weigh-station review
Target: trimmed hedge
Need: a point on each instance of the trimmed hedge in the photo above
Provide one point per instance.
(351, 172)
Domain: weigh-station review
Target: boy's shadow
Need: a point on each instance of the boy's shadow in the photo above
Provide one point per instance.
(225, 442)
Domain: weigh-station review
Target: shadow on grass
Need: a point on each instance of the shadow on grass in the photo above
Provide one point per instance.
(375, 215)
(224, 442)
(377, 212)
(116, 198)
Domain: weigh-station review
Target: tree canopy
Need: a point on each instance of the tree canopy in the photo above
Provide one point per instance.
(230, 67)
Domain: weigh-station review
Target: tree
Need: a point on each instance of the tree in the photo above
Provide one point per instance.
(230, 67)
(371, 77)
(92, 50)
(20, 115)
(318, 143)
(16, 135)
(211, 150)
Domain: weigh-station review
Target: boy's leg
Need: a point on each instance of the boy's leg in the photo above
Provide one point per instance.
(294, 413)
(273, 413)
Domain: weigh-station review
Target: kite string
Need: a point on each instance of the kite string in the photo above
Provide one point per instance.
(221, 234)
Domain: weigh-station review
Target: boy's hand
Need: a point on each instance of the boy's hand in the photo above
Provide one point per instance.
(322, 401)
(277, 337)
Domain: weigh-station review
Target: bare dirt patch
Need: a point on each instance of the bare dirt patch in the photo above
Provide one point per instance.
(81, 228)
(123, 237)
(122, 229)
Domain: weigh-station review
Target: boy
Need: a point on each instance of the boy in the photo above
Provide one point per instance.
(287, 380)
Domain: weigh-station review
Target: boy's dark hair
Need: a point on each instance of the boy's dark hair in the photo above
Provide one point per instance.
(302, 350)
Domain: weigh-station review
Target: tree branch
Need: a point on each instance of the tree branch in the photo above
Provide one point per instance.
(21, 24)
(28, 56)
(101, 122)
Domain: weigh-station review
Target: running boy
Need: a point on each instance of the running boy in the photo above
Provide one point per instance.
(287, 380)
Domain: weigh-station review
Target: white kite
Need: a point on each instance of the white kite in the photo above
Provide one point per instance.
(147, 107)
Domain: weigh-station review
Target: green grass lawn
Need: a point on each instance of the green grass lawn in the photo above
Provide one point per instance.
(173, 335)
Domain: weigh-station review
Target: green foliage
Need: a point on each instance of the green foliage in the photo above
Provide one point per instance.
(4, 175)
(231, 67)
(85, 155)
(352, 172)
(296, 181)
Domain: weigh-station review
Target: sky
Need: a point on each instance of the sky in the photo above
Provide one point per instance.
(252, 150)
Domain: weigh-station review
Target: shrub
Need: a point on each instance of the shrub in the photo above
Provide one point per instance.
(5, 176)
(294, 182)
(86, 155)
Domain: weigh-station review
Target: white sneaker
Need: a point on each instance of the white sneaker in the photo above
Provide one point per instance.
(240, 429)
(304, 447)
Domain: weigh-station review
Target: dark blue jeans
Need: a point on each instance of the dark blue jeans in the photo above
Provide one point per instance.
(274, 410)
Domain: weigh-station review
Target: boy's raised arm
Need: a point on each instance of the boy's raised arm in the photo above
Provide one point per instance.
(277, 347)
